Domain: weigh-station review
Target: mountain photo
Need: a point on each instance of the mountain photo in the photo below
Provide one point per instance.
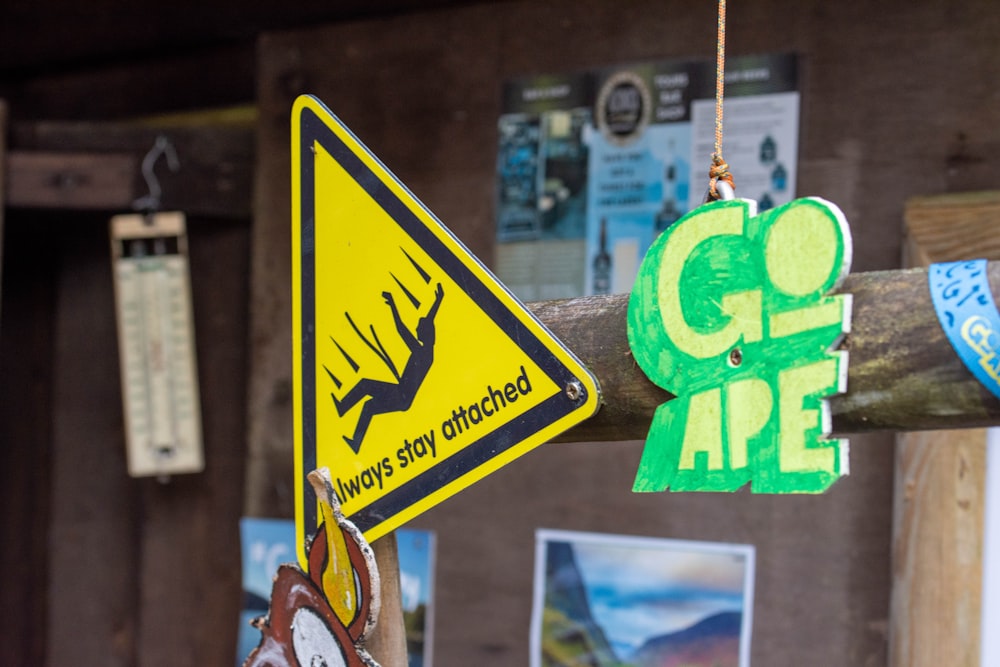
(713, 642)
(617, 601)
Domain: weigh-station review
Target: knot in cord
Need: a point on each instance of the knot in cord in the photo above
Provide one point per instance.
(719, 171)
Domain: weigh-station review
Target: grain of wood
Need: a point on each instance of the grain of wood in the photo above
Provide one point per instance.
(3, 183)
(941, 475)
(79, 166)
(78, 181)
(388, 641)
(903, 373)
(937, 549)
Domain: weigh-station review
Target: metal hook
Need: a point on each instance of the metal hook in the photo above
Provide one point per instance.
(162, 146)
(724, 190)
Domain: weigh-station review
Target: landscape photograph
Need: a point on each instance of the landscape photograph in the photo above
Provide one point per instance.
(618, 601)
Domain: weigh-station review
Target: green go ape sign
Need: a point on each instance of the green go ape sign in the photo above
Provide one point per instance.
(731, 313)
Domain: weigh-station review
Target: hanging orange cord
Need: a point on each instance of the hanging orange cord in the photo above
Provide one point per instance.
(719, 170)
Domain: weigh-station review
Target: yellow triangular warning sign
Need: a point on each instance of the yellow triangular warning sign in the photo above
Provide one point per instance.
(417, 373)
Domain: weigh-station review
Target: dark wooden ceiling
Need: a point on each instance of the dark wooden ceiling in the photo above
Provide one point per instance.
(112, 59)
(42, 35)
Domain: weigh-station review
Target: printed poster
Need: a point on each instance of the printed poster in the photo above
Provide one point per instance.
(267, 543)
(592, 166)
(619, 601)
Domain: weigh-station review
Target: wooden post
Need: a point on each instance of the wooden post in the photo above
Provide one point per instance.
(3, 181)
(941, 477)
(388, 643)
(937, 549)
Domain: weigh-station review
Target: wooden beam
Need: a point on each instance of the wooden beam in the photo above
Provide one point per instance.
(79, 181)
(63, 165)
(903, 375)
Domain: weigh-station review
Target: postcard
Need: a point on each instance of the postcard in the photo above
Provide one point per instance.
(619, 601)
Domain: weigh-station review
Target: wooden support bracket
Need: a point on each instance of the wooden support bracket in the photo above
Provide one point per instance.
(84, 181)
(96, 166)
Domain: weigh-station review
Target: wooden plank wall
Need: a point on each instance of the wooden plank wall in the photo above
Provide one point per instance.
(3, 181)
(25, 427)
(99, 568)
(128, 571)
(893, 104)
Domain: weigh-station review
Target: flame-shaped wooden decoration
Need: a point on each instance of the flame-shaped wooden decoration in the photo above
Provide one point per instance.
(321, 617)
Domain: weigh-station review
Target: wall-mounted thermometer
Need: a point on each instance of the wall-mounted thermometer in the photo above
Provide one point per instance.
(156, 344)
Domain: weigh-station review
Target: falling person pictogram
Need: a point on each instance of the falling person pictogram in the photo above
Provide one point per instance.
(384, 397)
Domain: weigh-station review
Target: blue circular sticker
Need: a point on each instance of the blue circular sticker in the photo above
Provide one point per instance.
(965, 308)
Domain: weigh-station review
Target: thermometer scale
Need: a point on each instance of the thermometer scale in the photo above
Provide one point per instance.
(156, 344)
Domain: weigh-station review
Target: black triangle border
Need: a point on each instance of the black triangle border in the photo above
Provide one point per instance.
(448, 471)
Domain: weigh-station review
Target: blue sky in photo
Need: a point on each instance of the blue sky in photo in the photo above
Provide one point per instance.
(416, 555)
(266, 544)
(638, 592)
